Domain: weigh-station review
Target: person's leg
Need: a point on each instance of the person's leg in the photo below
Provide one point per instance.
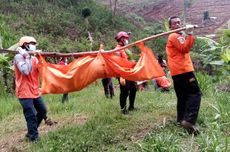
(30, 116)
(105, 86)
(193, 99)
(132, 94)
(146, 84)
(111, 88)
(65, 97)
(41, 110)
(155, 84)
(123, 97)
(181, 98)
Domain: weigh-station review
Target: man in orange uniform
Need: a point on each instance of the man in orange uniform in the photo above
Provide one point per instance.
(181, 69)
(27, 86)
(127, 88)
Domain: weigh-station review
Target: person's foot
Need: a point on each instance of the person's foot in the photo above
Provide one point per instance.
(132, 109)
(49, 122)
(27, 135)
(111, 96)
(192, 129)
(107, 95)
(124, 112)
(35, 140)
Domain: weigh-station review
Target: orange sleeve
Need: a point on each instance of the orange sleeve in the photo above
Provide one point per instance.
(180, 43)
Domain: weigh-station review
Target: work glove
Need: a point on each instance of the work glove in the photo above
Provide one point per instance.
(36, 52)
(122, 81)
(23, 52)
(189, 29)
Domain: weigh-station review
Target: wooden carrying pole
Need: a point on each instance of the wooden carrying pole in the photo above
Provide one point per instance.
(78, 54)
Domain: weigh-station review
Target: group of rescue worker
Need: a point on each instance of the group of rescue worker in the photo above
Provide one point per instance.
(179, 62)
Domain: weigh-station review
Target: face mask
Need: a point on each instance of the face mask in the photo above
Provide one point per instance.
(32, 47)
(126, 42)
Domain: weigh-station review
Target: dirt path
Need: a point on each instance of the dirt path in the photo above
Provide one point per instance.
(16, 142)
(146, 128)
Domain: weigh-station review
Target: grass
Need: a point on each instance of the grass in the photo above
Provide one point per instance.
(151, 128)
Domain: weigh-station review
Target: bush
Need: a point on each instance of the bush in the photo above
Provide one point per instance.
(205, 83)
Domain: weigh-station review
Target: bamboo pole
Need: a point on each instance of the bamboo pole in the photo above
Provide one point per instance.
(78, 54)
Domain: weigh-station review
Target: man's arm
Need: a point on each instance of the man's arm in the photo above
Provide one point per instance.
(24, 64)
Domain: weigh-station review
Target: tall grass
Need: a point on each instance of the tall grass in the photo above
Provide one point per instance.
(8, 104)
(151, 128)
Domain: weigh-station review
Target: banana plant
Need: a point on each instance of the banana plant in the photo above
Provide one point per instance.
(226, 56)
(6, 70)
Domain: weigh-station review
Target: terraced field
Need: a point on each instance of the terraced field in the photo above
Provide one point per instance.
(159, 10)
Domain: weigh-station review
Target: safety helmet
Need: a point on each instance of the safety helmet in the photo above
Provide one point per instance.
(26, 39)
(122, 34)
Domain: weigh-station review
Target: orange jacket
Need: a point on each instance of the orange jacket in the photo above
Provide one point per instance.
(177, 49)
(121, 53)
(27, 86)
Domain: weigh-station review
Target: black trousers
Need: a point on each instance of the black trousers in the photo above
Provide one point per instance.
(128, 90)
(108, 87)
(35, 111)
(188, 97)
(65, 98)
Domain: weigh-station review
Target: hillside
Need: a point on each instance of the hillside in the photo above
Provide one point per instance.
(160, 10)
(60, 25)
(88, 121)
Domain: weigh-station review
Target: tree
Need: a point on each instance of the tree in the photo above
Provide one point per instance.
(86, 12)
(113, 7)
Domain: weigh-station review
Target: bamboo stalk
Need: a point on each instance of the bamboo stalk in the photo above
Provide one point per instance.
(78, 54)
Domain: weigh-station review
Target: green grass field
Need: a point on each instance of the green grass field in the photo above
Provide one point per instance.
(91, 122)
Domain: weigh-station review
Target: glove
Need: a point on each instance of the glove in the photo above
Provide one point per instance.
(23, 52)
(189, 29)
(122, 81)
(36, 52)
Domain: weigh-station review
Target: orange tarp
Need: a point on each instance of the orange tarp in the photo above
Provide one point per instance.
(83, 71)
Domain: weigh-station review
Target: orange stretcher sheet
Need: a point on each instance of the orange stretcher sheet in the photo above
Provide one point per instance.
(83, 71)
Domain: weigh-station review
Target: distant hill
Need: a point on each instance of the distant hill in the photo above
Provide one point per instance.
(60, 25)
(159, 10)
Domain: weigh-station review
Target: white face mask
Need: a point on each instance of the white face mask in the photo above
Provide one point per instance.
(32, 47)
(126, 42)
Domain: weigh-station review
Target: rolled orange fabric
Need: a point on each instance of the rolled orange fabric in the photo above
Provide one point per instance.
(83, 71)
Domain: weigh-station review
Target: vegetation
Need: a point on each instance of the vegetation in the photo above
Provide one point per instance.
(151, 128)
(61, 26)
(89, 121)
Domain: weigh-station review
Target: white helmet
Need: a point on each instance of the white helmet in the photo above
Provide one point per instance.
(26, 39)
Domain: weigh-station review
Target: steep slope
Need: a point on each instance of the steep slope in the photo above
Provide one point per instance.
(218, 12)
(218, 9)
(160, 10)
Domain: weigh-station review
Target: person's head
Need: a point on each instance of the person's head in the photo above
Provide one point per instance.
(64, 59)
(122, 38)
(28, 42)
(174, 22)
(160, 56)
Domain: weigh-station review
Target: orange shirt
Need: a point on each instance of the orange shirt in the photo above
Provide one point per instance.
(121, 53)
(177, 49)
(27, 86)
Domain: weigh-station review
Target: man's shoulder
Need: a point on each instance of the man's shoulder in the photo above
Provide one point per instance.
(174, 35)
